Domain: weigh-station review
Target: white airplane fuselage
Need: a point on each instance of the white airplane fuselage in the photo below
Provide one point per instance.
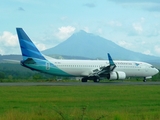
(83, 68)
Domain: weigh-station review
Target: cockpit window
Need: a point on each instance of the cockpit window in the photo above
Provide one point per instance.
(152, 67)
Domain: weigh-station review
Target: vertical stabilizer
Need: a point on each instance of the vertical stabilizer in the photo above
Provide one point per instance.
(28, 49)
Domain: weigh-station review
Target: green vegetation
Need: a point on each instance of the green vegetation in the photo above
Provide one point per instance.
(137, 102)
(16, 73)
(74, 102)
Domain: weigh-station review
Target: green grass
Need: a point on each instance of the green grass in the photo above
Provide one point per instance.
(80, 102)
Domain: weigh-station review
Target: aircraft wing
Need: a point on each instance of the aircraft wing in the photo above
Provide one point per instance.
(105, 69)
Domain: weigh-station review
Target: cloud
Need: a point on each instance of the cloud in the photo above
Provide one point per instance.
(9, 43)
(125, 44)
(157, 49)
(90, 5)
(137, 27)
(1, 51)
(86, 29)
(41, 46)
(115, 23)
(136, 30)
(147, 52)
(8, 39)
(21, 9)
(64, 32)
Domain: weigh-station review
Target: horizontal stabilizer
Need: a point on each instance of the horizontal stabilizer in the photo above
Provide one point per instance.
(29, 61)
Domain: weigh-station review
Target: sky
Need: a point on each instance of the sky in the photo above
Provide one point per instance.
(132, 24)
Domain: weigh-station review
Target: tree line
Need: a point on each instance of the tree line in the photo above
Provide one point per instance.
(14, 72)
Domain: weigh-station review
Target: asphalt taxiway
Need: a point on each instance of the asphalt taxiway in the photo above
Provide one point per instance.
(76, 83)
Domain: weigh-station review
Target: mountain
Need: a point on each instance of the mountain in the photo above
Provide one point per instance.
(91, 46)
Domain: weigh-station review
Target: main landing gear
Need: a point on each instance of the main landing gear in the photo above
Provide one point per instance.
(84, 79)
(95, 79)
(144, 80)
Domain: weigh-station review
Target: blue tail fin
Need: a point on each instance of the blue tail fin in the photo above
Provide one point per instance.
(110, 60)
(28, 49)
(112, 64)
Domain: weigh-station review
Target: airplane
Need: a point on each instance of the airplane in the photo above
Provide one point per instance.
(86, 69)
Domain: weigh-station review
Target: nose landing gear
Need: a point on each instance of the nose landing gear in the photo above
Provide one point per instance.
(144, 80)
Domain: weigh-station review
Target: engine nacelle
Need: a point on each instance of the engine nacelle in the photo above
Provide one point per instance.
(117, 75)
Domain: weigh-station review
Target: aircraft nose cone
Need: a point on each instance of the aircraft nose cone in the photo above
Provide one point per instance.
(156, 71)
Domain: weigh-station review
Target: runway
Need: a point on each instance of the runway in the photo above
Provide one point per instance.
(76, 83)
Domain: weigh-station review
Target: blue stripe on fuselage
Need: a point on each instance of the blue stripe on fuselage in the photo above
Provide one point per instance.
(40, 66)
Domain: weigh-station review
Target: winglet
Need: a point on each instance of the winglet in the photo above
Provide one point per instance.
(110, 60)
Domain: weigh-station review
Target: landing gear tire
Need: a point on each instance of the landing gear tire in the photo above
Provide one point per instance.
(96, 80)
(144, 80)
(84, 80)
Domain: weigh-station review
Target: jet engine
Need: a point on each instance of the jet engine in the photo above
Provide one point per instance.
(117, 75)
